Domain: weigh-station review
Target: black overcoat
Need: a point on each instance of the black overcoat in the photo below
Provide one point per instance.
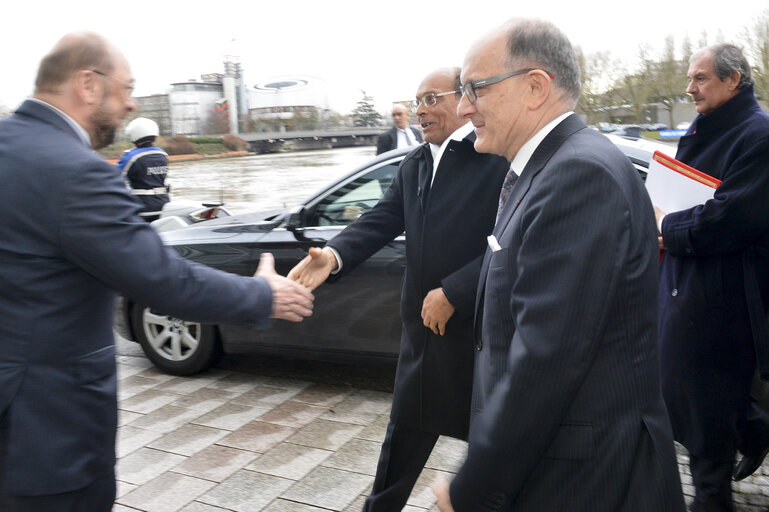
(446, 225)
(715, 280)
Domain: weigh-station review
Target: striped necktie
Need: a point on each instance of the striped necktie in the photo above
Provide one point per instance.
(507, 186)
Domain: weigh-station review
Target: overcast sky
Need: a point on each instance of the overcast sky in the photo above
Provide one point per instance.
(384, 48)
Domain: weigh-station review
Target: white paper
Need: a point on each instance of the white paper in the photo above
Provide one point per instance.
(671, 191)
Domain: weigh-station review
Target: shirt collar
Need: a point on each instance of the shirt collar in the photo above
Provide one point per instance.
(75, 126)
(524, 154)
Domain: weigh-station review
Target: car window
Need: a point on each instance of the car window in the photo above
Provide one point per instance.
(351, 199)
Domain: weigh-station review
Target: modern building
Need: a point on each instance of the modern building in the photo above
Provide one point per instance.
(286, 103)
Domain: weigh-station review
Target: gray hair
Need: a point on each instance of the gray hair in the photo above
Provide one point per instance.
(542, 43)
(728, 58)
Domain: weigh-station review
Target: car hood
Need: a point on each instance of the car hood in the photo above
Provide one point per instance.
(255, 224)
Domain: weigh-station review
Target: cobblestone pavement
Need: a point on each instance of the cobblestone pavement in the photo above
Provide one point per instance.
(234, 440)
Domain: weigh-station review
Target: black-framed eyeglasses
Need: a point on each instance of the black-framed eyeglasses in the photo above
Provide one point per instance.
(469, 89)
(430, 99)
(128, 86)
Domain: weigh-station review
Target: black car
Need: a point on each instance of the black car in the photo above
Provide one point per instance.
(358, 317)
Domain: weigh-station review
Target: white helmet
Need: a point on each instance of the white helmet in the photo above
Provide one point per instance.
(141, 127)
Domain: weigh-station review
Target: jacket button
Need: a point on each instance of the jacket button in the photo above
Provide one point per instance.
(674, 292)
(478, 344)
(688, 250)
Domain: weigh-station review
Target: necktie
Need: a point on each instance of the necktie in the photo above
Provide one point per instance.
(507, 186)
(408, 139)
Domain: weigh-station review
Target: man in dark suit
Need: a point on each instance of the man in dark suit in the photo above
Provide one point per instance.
(71, 235)
(714, 282)
(567, 407)
(444, 195)
(401, 135)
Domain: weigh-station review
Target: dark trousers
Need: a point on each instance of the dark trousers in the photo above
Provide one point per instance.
(404, 454)
(98, 496)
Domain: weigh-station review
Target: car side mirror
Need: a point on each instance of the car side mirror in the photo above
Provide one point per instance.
(296, 219)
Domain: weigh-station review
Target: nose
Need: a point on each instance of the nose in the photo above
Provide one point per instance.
(465, 109)
(421, 110)
(131, 104)
(692, 87)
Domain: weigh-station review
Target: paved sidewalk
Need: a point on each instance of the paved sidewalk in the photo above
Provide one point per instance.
(232, 441)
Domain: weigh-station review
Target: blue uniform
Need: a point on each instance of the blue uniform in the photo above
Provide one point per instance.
(146, 169)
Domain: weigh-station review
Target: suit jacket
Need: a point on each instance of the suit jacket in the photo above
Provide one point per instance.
(567, 409)
(714, 280)
(69, 238)
(389, 140)
(446, 227)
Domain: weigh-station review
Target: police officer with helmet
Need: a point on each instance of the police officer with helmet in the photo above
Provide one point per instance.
(145, 167)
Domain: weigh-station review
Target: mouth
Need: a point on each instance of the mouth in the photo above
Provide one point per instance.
(426, 125)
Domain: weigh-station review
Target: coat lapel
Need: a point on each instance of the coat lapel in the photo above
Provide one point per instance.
(541, 156)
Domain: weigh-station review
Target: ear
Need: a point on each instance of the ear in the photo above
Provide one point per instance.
(88, 86)
(734, 80)
(539, 87)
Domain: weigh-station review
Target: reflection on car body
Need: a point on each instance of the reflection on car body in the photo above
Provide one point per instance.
(358, 317)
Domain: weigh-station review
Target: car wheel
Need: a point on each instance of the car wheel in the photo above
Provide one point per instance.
(175, 346)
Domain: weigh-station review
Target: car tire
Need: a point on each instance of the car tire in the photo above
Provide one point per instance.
(175, 346)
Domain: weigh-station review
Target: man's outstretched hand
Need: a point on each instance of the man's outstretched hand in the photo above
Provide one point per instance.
(290, 301)
(314, 269)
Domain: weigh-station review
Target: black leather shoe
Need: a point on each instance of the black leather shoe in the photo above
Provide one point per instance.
(748, 465)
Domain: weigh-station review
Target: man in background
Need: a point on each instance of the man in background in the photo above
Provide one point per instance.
(69, 239)
(567, 408)
(714, 284)
(444, 195)
(145, 167)
(401, 135)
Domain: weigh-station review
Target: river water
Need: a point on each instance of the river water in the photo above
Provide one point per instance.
(263, 182)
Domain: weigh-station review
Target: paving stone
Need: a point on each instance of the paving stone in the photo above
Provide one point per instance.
(204, 399)
(261, 394)
(237, 383)
(122, 508)
(359, 456)
(246, 491)
(281, 505)
(293, 414)
(124, 488)
(287, 383)
(357, 505)
(289, 461)
(377, 429)
(169, 492)
(153, 373)
(145, 464)
(423, 496)
(328, 488)
(257, 436)
(215, 463)
(147, 401)
(126, 417)
(197, 506)
(448, 454)
(188, 439)
(166, 418)
(138, 361)
(186, 385)
(124, 371)
(323, 394)
(360, 408)
(231, 416)
(131, 438)
(136, 384)
(328, 435)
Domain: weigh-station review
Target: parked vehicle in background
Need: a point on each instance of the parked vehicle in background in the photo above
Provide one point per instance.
(356, 318)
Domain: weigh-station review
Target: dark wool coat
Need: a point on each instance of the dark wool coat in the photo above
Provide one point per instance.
(714, 272)
(446, 226)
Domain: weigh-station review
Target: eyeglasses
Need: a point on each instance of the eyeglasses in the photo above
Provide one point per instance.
(430, 99)
(128, 86)
(470, 88)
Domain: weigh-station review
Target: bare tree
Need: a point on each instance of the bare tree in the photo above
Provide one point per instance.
(758, 51)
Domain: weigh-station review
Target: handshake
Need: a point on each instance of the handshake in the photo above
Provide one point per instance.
(291, 296)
